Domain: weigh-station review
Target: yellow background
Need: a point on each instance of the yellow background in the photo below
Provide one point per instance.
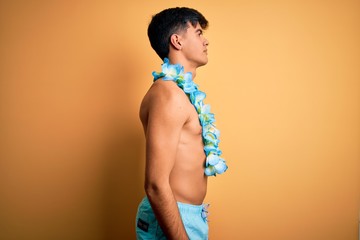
(283, 80)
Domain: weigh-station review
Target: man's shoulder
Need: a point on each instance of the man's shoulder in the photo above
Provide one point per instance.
(166, 98)
(166, 91)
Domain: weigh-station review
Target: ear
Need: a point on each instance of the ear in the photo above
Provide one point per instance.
(175, 41)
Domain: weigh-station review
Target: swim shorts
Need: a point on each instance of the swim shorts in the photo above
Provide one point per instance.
(194, 218)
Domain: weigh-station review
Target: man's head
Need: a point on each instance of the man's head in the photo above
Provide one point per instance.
(172, 21)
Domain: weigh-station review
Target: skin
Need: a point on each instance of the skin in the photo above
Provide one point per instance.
(175, 155)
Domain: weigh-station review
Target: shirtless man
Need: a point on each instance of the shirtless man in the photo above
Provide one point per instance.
(175, 183)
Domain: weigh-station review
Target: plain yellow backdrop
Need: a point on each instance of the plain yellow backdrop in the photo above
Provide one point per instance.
(283, 80)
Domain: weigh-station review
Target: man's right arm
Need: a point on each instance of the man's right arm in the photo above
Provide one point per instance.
(166, 118)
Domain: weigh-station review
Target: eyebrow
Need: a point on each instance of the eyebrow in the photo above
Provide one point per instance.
(199, 30)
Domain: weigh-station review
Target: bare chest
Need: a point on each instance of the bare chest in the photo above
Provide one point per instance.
(192, 127)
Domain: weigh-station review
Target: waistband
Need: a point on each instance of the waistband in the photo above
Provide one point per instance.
(183, 207)
(186, 208)
(190, 208)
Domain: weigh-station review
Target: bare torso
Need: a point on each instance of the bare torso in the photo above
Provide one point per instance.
(187, 179)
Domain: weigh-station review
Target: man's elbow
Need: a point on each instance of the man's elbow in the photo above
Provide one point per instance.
(153, 188)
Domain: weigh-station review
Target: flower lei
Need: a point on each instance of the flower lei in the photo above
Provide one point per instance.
(210, 134)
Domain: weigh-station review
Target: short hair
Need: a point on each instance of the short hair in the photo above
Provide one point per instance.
(170, 21)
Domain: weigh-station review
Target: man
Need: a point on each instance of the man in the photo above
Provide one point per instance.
(175, 182)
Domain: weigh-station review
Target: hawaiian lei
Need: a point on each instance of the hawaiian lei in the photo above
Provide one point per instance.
(210, 134)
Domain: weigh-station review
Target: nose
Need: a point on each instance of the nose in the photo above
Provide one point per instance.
(206, 42)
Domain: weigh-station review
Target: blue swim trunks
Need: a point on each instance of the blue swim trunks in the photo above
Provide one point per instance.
(194, 218)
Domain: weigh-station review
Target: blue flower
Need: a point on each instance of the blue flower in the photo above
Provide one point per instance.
(210, 138)
(210, 171)
(206, 118)
(221, 166)
(172, 71)
(212, 129)
(205, 109)
(212, 148)
(189, 86)
(188, 77)
(197, 96)
(212, 159)
(157, 75)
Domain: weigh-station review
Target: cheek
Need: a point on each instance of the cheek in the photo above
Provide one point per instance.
(190, 46)
(194, 45)
(197, 44)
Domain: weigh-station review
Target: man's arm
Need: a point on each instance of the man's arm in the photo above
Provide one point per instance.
(166, 118)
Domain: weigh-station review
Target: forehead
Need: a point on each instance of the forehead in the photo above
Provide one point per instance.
(191, 29)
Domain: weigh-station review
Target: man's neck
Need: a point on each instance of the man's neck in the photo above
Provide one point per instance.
(188, 67)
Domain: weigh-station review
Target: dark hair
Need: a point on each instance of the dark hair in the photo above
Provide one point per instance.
(168, 22)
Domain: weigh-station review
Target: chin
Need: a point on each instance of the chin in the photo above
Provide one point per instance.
(203, 62)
